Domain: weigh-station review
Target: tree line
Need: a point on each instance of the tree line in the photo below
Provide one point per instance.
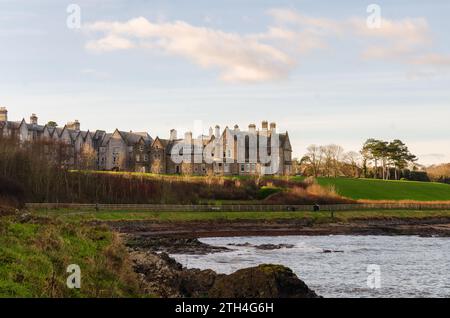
(377, 159)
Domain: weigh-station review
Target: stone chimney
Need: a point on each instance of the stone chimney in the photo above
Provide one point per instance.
(3, 114)
(264, 125)
(188, 137)
(75, 125)
(173, 134)
(217, 134)
(236, 128)
(252, 128)
(33, 119)
(273, 127)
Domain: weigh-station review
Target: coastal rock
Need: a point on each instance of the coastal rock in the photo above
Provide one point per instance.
(162, 276)
(273, 246)
(173, 245)
(264, 281)
(332, 251)
(263, 246)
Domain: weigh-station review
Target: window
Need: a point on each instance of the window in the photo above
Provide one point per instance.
(138, 158)
(247, 167)
(242, 168)
(145, 157)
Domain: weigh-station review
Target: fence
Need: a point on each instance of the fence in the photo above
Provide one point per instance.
(240, 208)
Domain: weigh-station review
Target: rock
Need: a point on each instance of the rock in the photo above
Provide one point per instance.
(162, 276)
(172, 245)
(246, 244)
(263, 246)
(264, 281)
(331, 251)
(273, 246)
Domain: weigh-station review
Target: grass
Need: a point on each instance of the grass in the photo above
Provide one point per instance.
(77, 216)
(34, 253)
(357, 189)
(372, 189)
(34, 256)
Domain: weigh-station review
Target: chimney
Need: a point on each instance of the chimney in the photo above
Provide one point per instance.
(264, 125)
(3, 114)
(236, 128)
(252, 128)
(33, 119)
(217, 134)
(188, 137)
(211, 132)
(173, 134)
(75, 125)
(273, 127)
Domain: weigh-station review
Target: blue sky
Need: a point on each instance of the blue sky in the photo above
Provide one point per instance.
(314, 67)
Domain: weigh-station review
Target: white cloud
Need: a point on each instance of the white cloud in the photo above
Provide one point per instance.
(110, 43)
(395, 39)
(272, 54)
(432, 59)
(239, 57)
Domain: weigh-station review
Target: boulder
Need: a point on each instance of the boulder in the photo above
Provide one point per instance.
(264, 281)
(162, 276)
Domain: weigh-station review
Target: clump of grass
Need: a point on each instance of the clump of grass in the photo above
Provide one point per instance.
(34, 256)
(311, 194)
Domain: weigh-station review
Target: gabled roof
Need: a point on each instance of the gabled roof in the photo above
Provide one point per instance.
(37, 128)
(132, 138)
(105, 139)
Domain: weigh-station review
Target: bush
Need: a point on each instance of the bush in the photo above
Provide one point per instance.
(313, 194)
(12, 193)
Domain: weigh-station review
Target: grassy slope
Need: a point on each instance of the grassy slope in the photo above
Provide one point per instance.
(388, 190)
(369, 189)
(34, 256)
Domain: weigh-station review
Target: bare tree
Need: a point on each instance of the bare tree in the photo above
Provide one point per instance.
(314, 158)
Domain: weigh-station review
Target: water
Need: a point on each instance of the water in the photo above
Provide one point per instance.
(409, 266)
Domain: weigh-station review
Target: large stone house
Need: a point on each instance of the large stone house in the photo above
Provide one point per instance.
(221, 152)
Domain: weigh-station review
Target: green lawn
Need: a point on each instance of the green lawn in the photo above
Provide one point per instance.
(74, 216)
(388, 190)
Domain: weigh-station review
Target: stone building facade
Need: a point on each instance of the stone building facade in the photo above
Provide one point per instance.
(221, 152)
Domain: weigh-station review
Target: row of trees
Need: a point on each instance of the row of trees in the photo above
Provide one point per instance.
(377, 159)
(394, 154)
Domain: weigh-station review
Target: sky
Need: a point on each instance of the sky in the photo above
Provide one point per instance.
(324, 71)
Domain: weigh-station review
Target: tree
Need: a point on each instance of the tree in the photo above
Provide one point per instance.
(314, 158)
(376, 150)
(399, 156)
(353, 159)
(52, 124)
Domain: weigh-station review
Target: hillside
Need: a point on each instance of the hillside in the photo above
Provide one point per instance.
(388, 190)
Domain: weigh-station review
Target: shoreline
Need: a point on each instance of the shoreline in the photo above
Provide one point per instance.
(425, 227)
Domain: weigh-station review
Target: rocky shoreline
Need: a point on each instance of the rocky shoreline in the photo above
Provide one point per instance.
(150, 243)
(161, 276)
